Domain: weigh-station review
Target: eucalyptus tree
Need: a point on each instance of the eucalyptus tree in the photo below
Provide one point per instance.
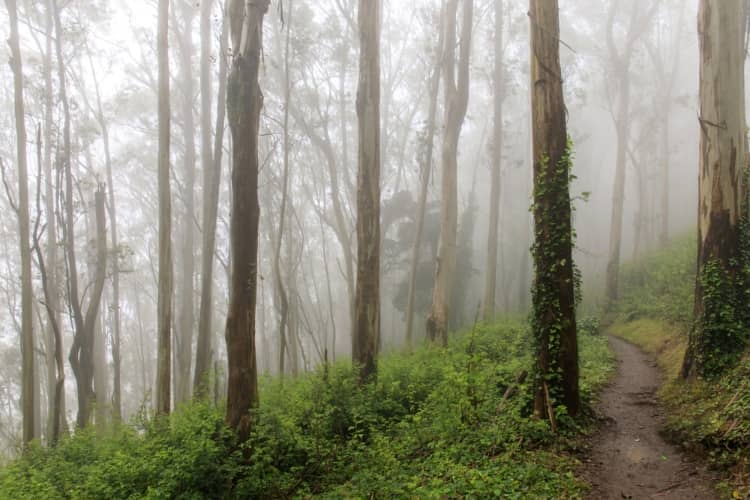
(185, 310)
(164, 296)
(553, 317)
(244, 103)
(366, 328)
(621, 57)
(720, 318)
(21, 207)
(490, 285)
(211, 162)
(456, 90)
(425, 170)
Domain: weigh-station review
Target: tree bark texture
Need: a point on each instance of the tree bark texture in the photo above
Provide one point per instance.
(722, 165)
(456, 102)
(553, 320)
(366, 330)
(244, 103)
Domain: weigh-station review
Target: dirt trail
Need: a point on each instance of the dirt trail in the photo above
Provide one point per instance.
(628, 457)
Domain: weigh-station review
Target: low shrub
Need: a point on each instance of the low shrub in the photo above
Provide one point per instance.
(435, 424)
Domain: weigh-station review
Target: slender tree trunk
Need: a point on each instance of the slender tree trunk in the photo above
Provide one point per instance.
(54, 365)
(490, 284)
(82, 354)
(115, 265)
(49, 272)
(344, 239)
(665, 185)
(81, 351)
(186, 308)
(665, 149)
(329, 291)
(719, 307)
(618, 196)
(425, 172)
(164, 300)
(456, 103)
(244, 103)
(553, 318)
(27, 318)
(640, 221)
(281, 292)
(621, 63)
(211, 182)
(116, 321)
(101, 384)
(292, 339)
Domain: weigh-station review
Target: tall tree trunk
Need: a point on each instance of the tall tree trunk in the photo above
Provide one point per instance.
(618, 196)
(553, 317)
(664, 154)
(55, 362)
(49, 272)
(720, 318)
(244, 103)
(81, 351)
(281, 293)
(665, 150)
(366, 330)
(186, 308)
(115, 265)
(329, 291)
(621, 63)
(101, 384)
(425, 172)
(211, 183)
(164, 300)
(456, 103)
(27, 318)
(490, 284)
(116, 321)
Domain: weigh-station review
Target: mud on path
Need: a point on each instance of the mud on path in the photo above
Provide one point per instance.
(628, 456)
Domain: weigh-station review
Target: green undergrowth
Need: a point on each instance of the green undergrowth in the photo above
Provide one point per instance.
(435, 425)
(712, 417)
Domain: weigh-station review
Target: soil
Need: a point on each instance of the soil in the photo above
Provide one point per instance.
(628, 457)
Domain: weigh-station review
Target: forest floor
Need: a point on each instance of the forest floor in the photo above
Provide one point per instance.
(629, 458)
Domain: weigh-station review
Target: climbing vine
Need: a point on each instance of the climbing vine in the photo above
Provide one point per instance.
(720, 333)
(556, 287)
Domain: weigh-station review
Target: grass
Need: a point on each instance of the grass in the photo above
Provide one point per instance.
(657, 337)
(709, 418)
(435, 425)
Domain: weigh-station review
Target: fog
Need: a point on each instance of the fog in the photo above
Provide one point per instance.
(649, 47)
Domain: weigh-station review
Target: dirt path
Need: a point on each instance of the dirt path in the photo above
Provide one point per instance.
(628, 457)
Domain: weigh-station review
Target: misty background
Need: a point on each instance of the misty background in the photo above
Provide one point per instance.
(110, 53)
